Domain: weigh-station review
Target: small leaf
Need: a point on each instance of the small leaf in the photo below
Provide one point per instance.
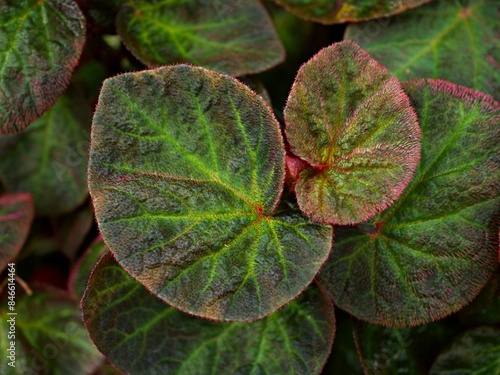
(186, 169)
(385, 351)
(140, 334)
(50, 337)
(337, 11)
(233, 37)
(476, 352)
(430, 253)
(49, 159)
(458, 41)
(40, 44)
(16, 216)
(352, 122)
(79, 276)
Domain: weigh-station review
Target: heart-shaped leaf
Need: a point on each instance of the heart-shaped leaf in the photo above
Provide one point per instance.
(458, 41)
(350, 119)
(432, 251)
(49, 159)
(49, 336)
(140, 334)
(40, 44)
(16, 215)
(336, 11)
(387, 351)
(186, 169)
(476, 352)
(233, 37)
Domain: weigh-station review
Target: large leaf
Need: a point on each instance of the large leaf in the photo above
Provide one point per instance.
(234, 37)
(16, 215)
(458, 41)
(385, 351)
(50, 338)
(186, 169)
(476, 352)
(335, 11)
(350, 119)
(432, 251)
(40, 44)
(140, 334)
(49, 159)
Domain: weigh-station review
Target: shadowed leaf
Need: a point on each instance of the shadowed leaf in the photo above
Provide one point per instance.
(186, 169)
(140, 334)
(352, 122)
(16, 215)
(476, 352)
(49, 159)
(431, 252)
(50, 338)
(40, 44)
(458, 41)
(233, 37)
(336, 11)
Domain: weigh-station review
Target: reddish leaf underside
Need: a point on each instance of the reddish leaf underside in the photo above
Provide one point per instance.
(16, 214)
(40, 44)
(430, 253)
(350, 119)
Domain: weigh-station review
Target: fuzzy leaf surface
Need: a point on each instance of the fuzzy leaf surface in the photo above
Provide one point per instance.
(431, 252)
(458, 41)
(338, 11)
(16, 216)
(49, 159)
(350, 119)
(50, 336)
(140, 334)
(40, 44)
(233, 37)
(186, 169)
(476, 352)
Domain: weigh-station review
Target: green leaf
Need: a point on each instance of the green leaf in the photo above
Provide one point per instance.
(337, 11)
(49, 159)
(476, 352)
(458, 41)
(430, 253)
(352, 122)
(50, 337)
(412, 351)
(233, 37)
(140, 334)
(40, 44)
(79, 276)
(16, 216)
(186, 169)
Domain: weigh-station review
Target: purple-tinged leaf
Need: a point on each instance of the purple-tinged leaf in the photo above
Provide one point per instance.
(140, 334)
(40, 44)
(350, 119)
(430, 253)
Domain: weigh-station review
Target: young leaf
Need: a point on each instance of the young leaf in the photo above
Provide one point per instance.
(49, 338)
(186, 169)
(385, 351)
(336, 11)
(352, 122)
(40, 44)
(79, 276)
(233, 37)
(453, 40)
(430, 253)
(140, 334)
(49, 159)
(16, 215)
(476, 352)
